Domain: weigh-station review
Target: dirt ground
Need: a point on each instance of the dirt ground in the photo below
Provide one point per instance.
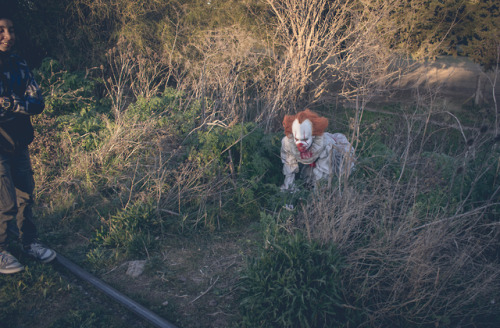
(193, 283)
(455, 79)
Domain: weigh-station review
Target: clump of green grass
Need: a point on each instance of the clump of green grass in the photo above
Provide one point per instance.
(130, 232)
(293, 283)
(22, 293)
(82, 319)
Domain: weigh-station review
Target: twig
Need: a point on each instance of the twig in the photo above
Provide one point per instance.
(472, 212)
(201, 295)
(169, 212)
(220, 312)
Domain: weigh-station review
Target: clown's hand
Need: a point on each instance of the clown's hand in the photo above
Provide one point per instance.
(288, 185)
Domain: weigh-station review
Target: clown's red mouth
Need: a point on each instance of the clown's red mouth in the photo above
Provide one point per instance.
(302, 147)
(305, 154)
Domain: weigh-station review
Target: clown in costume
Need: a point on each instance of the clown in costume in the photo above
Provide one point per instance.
(323, 154)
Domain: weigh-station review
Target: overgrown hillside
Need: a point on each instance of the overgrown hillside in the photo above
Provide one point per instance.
(159, 147)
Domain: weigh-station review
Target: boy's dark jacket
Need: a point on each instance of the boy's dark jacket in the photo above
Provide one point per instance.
(17, 83)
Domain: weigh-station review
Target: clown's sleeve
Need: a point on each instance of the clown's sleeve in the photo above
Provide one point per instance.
(290, 164)
(323, 168)
(343, 158)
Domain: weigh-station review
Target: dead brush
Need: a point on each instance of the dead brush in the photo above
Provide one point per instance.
(191, 197)
(227, 69)
(412, 260)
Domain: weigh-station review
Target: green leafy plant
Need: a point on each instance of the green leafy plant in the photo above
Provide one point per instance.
(64, 91)
(234, 169)
(242, 150)
(128, 231)
(85, 126)
(294, 283)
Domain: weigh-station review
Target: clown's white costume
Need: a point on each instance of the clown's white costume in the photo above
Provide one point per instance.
(323, 153)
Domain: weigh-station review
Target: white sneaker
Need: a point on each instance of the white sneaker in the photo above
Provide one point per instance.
(40, 252)
(9, 264)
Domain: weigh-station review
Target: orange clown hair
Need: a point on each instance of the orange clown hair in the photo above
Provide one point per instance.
(319, 123)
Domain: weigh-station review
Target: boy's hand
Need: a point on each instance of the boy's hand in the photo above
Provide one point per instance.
(6, 103)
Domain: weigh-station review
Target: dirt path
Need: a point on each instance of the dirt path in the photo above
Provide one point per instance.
(457, 79)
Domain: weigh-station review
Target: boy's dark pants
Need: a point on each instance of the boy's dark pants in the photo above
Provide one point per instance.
(16, 195)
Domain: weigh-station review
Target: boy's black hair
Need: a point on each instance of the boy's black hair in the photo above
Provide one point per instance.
(7, 9)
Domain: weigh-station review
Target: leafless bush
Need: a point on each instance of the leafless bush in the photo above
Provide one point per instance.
(329, 49)
(314, 46)
(226, 67)
(308, 34)
(118, 77)
(131, 74)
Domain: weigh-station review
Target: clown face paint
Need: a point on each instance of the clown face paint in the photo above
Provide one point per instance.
(302, 134)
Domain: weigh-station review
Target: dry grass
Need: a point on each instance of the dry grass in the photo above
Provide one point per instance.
(411, 260)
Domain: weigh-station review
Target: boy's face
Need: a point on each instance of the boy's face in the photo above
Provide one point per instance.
(7, 35)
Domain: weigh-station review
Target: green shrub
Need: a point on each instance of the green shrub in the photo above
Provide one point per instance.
(86, 126)
(251, 153)
(64, 91)
(145, 109)
(129, 231)
(236, 167)
(294, 283)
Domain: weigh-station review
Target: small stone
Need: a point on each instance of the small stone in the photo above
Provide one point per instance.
(136, 268)
(164, 303)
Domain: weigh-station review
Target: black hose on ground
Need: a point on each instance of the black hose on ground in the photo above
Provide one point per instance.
(108, 290)
(113, 293)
